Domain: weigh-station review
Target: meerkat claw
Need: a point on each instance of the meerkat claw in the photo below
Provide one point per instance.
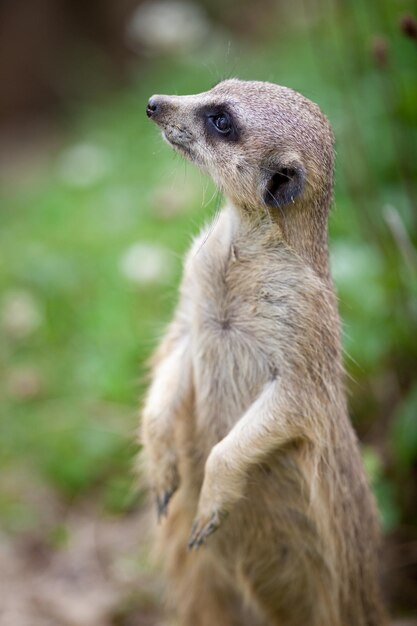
(162, 502)
(199, 536)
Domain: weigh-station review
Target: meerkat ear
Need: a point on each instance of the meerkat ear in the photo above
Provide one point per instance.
(284, 185)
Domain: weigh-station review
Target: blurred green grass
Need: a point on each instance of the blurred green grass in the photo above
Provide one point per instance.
(64, 236)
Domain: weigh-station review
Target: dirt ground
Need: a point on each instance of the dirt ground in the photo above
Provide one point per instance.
(88, 570)
(82, 568)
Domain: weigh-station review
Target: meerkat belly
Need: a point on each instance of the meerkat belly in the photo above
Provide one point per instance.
(228, 375)
(231, 359)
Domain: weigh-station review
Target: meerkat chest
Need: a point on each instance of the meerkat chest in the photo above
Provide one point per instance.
(228, 295)
(241, 292)
(237, 336)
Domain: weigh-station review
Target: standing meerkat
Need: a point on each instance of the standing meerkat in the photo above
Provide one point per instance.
(246, 434)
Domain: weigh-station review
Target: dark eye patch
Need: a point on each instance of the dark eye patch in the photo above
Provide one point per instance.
(219, 122)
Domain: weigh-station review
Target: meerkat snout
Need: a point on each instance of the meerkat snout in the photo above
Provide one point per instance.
(154, 107)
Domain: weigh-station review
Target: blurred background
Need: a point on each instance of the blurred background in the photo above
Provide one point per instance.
(96, 213)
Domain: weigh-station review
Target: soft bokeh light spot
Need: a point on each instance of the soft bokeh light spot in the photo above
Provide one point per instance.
(83, 165)
(146, 263)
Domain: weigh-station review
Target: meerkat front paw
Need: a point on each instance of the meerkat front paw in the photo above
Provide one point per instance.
(204, 526)
(165, 481)
(222, 487)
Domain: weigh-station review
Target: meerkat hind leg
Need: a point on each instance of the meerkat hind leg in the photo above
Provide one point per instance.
(199, 589)
(208, 599)
(287, 602)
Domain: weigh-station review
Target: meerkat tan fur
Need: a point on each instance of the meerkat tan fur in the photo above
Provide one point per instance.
(267, 515)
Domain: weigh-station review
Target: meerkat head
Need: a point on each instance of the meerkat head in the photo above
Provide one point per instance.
(264, 145)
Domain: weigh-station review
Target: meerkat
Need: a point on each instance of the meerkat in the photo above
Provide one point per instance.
(250, 452)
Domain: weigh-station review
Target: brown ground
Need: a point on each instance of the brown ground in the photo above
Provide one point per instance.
(80, 569)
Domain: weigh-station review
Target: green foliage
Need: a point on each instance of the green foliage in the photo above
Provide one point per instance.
(404, 431)
(383, 488)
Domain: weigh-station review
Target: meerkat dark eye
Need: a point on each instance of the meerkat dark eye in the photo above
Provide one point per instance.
(219, 123)
(222, 123)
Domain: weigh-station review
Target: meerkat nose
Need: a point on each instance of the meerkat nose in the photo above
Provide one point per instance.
(154, 107)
